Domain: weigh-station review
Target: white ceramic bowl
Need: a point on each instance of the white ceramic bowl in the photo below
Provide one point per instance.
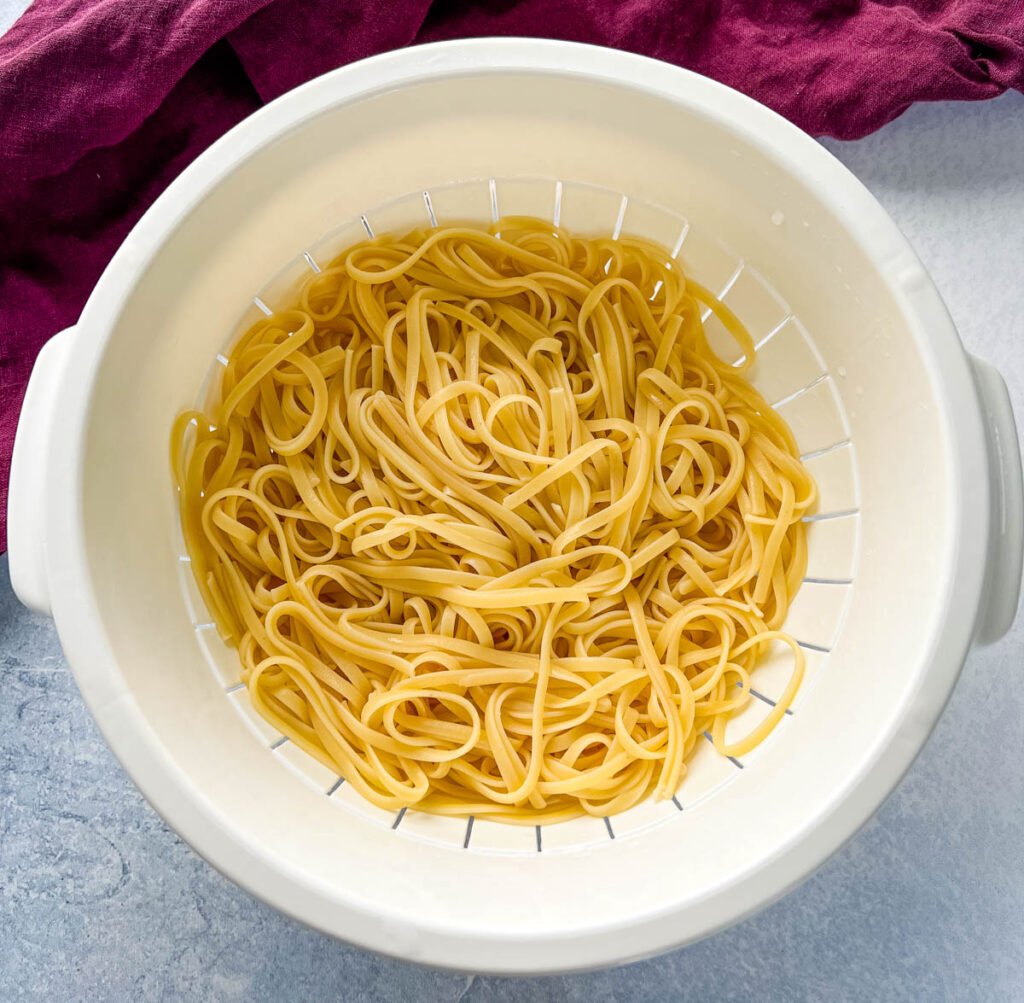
(916, 553)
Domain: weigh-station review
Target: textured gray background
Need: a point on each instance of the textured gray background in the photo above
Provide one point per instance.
(99, 900)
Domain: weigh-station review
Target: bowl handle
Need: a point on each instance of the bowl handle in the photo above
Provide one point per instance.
(1006, 541)
(26, 508)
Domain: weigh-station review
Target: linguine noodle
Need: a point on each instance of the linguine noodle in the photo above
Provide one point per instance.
(492, 528)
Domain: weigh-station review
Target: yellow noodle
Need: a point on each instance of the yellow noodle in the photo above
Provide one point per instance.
(493, 529)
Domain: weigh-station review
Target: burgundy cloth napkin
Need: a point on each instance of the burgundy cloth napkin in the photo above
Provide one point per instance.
(104, 102)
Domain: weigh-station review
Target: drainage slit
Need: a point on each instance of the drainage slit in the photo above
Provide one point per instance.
(825, 449)
(679, 243)
(774, 331)
(493, 186)
(621, 217)
(732, 759)
(430, 208)
(799, 393)
(821, 516)
(813, 647)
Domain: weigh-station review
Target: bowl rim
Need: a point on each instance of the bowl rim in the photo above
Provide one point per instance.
(125, 728)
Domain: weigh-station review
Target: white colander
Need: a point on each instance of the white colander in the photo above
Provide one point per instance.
(914, 553)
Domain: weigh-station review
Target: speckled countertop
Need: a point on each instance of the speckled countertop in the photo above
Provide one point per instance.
(99, 900)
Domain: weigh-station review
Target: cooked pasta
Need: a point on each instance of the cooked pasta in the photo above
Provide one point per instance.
(493, 529)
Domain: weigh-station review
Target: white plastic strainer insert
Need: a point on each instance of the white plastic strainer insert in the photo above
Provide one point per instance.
(788, 369)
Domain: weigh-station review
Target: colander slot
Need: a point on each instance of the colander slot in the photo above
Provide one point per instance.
(757, 694)
(786, 364)
(617, 229)
(499, 837)
(678, 245)
(707, 260)
(540, 841)
(366, 226)
(220, 657)
(265, 732)
(468, 202)
(758, 345)
(469, 832)
(799, 393)
(311, 771)
(409, 212)
(825, 516)
(429, 205)
(652, 222)
(234, 687)
(261, 306)
(399, 817)
(756, 304)
(337, 783)
(538, 197)
(732, 759)
(675, 801)
(832, 550)
(328, 247)
(835, 473)
(642, 816)
(492, 187)
(587, 830)
(197, 611)
(743, 723)
(608, 826)
(222, 359)
(813, 454)
(209, 625)
(775, 669)
(311, 262)
(723, 293)
(820, 648)
(557, 219)
(588, 211)
(348, 798)
(279, 293)
(441, 830)
(706, 773)
(815, 614)
(722, 343)
(816, 418)
(278, 742)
